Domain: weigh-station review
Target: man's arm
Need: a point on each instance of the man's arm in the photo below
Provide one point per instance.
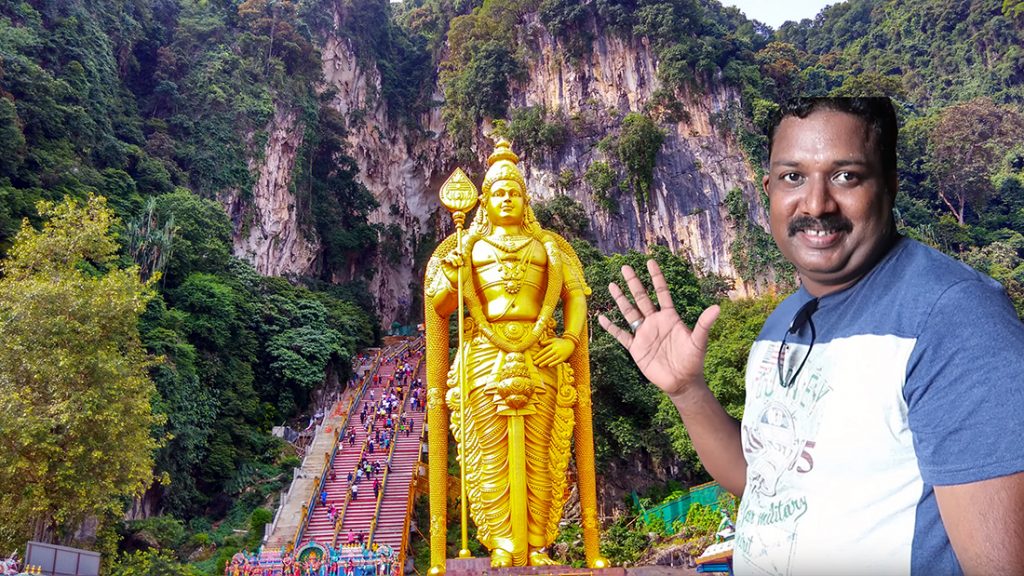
(671, 356)
(985, 524)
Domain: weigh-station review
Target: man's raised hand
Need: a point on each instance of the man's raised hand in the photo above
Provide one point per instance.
(669, 354)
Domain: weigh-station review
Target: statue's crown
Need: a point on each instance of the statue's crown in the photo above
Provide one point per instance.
(504, 165)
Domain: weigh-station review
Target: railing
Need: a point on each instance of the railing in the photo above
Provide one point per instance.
(348, 492)
(380, 492)
(329, 456)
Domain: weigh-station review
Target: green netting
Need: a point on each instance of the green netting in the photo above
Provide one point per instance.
(706, 494)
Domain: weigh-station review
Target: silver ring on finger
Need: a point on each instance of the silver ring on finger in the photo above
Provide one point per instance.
(635, 324)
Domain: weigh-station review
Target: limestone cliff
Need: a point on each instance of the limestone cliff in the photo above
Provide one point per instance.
(266, 226)
(402, 170)
(696, 167)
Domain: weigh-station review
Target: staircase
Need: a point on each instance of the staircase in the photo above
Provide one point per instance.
(395, 504)
(358, 515)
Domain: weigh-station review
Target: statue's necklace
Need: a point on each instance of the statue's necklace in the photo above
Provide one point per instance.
(513, 274)
(508, 242)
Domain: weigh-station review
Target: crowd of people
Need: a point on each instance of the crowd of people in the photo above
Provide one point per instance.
(348, 560)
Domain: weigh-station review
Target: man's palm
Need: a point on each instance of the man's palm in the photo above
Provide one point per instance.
(664, 350)
(669, 354)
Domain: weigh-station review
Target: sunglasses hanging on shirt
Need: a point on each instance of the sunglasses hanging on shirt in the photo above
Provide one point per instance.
(802, 317)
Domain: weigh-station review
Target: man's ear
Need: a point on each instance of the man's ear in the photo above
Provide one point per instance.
(764, 183)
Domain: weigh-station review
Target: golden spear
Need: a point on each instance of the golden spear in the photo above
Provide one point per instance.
(459, 196)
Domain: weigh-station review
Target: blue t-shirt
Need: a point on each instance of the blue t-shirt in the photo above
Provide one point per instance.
(915, 379)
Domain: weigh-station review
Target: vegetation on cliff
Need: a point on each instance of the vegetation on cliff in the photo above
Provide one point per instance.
(159, 108)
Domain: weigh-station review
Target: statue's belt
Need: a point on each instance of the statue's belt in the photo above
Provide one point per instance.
(513, 330)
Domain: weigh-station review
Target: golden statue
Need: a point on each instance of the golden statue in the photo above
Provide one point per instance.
(518, 389)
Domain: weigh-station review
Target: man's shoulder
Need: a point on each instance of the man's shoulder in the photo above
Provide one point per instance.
(913, 284)
(915, 272)
(926, 265)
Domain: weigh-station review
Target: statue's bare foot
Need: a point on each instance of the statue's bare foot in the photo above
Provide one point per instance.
(501, 558)
(538, 558)
(599, 562)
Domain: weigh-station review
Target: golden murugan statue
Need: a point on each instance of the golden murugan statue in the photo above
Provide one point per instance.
(518, 389)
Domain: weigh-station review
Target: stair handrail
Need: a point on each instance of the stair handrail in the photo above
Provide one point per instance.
(307, 509)
(380, 492)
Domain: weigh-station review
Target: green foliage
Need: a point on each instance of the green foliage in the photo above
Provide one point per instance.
(603, 180)
(12, 141)
(638, 147)
(73, 385)
(202, 234)
(567, 20)
(703, 521)
(754, 253)
(327, 178)
(189, 407)
(259, 518)
(480, 64)
(563, 215)
(625, 540)
(963, 154)
(925, 44)
(150, 563)
(402, 58)
(163, 532)
(149, 242)
(531, 131)
(137, 101)
(566, 180)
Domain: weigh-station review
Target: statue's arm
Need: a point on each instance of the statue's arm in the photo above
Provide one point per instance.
(440, 290)
(574, 302)
(575, 313)
(441, 278)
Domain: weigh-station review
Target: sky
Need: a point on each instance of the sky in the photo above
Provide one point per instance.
(774, 13)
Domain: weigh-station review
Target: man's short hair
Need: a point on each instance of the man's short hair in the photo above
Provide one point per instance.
(877, 112)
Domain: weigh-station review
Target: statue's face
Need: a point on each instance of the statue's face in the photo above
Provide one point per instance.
(506, 204)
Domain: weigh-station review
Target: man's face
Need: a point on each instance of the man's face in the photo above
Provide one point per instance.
(831, 201)
(506, 205)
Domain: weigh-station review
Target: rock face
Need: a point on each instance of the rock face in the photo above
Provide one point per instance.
(266, 226)
(696, 167)
(403, 171)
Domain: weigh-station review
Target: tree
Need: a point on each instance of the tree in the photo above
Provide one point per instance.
(202, 234)
(968, 143)
(74, 390)
(638, 148)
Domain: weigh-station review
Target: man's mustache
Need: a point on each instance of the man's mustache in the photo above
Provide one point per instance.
(829, 223)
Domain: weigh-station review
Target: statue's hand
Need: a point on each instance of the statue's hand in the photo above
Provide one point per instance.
(451, 264)
(669, 353)
(555, 351)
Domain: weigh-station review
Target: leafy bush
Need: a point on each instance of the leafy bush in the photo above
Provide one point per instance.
(563, 215)
(602, 180)
(637, 149)
(531, 132)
